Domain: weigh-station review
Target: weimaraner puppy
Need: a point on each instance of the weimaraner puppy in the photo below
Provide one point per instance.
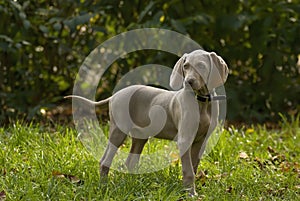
(187, 115)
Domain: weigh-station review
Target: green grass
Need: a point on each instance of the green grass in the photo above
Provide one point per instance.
(43, 163)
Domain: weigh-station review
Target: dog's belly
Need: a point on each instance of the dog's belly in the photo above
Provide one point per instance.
(169, 132)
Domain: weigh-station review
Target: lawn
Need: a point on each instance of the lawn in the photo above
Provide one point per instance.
(49, 163)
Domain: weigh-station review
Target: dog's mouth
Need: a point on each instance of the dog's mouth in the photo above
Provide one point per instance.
(195, 86)
(202, 90)
(200, 87)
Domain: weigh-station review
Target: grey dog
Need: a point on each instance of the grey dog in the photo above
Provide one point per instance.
(185, 115)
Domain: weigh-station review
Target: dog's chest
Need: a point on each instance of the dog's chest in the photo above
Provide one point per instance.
(204, 121)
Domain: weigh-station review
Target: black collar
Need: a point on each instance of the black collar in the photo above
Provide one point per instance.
(209, 98)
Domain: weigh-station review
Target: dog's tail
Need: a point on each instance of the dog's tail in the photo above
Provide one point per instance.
(100, 103)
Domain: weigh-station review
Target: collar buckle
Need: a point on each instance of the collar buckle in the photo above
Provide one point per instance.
(209, 98)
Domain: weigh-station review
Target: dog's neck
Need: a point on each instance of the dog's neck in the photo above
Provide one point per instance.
(203, 95)
(203, 99)
(203, 91)
(206, 96)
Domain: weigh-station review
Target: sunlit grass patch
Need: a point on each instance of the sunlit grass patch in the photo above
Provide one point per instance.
(51, 163)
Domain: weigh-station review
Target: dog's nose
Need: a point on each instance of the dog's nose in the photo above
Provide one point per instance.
(191, 81)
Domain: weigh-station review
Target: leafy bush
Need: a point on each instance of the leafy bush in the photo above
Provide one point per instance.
(43, 44)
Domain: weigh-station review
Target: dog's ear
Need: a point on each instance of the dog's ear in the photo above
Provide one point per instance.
(218, 73)
(176, 78)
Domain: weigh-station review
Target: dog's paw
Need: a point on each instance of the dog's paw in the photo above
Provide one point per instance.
(191, 192)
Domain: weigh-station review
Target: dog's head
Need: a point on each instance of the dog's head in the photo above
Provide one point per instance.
(199, 69)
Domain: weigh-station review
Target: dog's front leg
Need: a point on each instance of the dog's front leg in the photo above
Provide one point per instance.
(187, 116)
(188, 172)
(196, 153)
(186, 135)
(184, 145)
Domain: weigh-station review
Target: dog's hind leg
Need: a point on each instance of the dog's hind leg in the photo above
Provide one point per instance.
(116, 139)
(135, 153)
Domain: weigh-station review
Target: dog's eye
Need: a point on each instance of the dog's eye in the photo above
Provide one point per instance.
(185, 66)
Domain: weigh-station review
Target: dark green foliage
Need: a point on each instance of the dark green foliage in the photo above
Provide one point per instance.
(43, 43)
